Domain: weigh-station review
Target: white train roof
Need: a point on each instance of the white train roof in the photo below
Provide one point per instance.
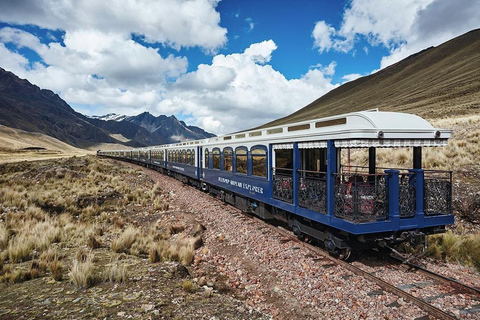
(371, 128)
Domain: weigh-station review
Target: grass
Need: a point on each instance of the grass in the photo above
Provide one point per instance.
(82, 273)
(125, 241)
(55, 214)
(461, 248)
(116, 272)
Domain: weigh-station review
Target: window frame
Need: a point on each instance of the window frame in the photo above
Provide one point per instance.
(230, 150)
(216, 153)
(253, 155)
(237, 162)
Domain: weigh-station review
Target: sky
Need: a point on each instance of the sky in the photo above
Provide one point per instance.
(224, 65)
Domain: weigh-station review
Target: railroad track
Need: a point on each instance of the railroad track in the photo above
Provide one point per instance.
(384, 285)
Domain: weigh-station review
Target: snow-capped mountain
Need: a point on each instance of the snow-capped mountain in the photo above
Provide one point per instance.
(110, 116)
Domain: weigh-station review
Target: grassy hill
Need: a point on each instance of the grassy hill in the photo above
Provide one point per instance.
(436, 82)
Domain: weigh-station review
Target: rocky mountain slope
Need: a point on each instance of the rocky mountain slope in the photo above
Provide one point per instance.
(27, 107)
(436, 82)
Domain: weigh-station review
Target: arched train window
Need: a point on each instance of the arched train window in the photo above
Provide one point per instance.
(228, 159)
(241, 160)
(216, 158)
(259, 161)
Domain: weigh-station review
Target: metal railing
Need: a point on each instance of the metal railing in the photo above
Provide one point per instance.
(312, 190)
(361, 197)
(283, 184)
(437, 192)
(407, 195)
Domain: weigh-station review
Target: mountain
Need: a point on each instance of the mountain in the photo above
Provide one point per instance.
(148, 129)
(175, 128)
(26, 107)
(108, 117)
(436, 82)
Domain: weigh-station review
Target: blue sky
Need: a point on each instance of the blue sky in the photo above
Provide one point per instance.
(222, 65)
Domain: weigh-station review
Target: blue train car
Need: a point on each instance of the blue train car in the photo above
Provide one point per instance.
(301, 173)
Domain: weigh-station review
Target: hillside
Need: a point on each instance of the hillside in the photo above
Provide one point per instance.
(27, 107)
(436, 82)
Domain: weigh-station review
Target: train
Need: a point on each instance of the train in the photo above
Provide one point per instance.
(298, 174)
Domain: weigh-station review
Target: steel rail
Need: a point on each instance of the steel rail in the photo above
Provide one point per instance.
(439, 277)
(430, 309)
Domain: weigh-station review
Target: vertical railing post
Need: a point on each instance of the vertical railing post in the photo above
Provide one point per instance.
(418, 175)
(331, 170)
(296, 167)
(393, 200)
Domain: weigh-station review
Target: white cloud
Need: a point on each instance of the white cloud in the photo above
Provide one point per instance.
(249, 91)
(250, 23)
(351, 77)
(403, 27)
(100, 67)
(322, 35)
(174, 22)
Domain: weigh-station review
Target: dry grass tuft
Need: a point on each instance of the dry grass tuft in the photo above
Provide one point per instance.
(464, 248)
(116, 272)
(82, 272)
(161, 204)
(20, 249)
(185, 255)
(188, 286)
(125, 241)
(56, 268)
(3, 236)
(93, 242)
(176, 228)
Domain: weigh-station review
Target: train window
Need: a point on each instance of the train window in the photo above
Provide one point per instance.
(189, 157)
(241, 160)
(206, 159)
(259, 161)
(193, 157)
(216, 158)
(176, 156)
(184, 156)
(228, 159)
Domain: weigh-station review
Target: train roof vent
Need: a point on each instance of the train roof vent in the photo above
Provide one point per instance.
(328, 123)
(227, 138)
(239, 136)
(274, 131)
(299, 127)
(255, 134)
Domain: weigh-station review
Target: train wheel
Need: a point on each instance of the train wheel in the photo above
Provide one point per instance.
(342, 254)
(345, 254)
(297, 232)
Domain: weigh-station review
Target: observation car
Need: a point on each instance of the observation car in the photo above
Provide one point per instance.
(294, 173)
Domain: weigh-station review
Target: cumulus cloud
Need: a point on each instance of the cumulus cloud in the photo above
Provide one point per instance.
(174, 22)
(322, 35)
(402, 26)
(249, 91)
(98, 66)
